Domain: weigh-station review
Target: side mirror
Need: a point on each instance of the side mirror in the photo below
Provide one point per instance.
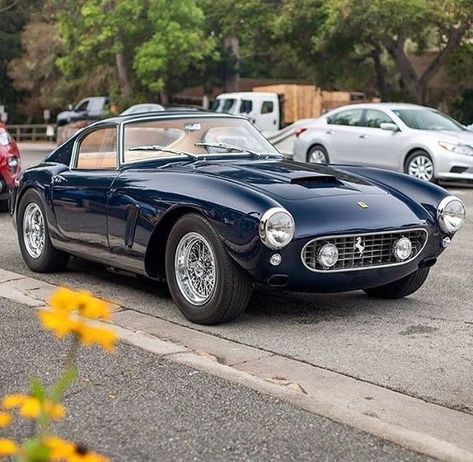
(389, 126)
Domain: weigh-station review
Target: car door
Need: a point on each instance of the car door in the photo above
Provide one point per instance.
(80, 194)
(267, 119)
(377, 147)
(341, 135)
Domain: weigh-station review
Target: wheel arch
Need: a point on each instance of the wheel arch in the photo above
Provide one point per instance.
(313, 144)
(156, 249)
(411, 151)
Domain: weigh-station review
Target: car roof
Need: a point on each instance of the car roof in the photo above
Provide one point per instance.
(390, 106)
(166, 115)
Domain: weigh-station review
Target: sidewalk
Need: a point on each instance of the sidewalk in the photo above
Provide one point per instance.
(133, 406)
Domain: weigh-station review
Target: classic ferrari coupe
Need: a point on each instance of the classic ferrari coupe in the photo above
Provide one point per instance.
(205, 202)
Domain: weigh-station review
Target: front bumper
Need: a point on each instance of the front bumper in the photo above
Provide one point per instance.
(294, 275)
(451, 166)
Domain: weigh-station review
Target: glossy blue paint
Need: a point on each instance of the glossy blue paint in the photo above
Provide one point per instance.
(123, 217)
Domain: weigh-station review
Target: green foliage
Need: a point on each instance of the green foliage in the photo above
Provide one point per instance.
(178, 41)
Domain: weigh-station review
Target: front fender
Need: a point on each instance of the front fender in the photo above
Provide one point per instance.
(412, 191)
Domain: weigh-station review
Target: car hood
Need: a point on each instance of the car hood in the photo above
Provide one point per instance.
(462, 137)
(284, 180)
(311, 192)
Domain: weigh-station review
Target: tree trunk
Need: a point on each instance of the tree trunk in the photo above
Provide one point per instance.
(163, 97)
(409, 77)
(231, 78)
(123, 75)
(380, 73)
(416, 86)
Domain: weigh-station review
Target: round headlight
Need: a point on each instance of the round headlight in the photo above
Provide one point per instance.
(402, 248)
(451, 214)
(328, 255)
(276, 228)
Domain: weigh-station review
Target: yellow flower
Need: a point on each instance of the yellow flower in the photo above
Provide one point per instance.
(64, 299)
(59, 449)
(54, 410)
(97, 335)
(95, 309)
(8, 447)
(5, 419)
(57, 321)
(30, 409)
(13, 401)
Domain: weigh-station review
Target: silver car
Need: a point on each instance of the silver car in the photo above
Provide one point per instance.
(416, 140)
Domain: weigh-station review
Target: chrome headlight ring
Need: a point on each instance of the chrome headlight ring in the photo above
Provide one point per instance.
(276, 228)
(451, 214)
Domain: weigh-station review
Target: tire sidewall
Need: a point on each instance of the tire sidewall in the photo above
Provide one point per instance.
(197, 224)
(31, 196)
(318, 147)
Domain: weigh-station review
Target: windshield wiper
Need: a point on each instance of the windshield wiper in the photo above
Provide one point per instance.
(156, 147)
(230, 148)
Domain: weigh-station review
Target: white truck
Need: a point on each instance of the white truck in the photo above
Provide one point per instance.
(262, 109)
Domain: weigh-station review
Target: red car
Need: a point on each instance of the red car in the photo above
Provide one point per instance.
(10, 166)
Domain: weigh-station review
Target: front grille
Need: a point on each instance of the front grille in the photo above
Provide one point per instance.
(377, 250)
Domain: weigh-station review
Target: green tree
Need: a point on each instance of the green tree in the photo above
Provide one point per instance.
(177, 43)
(384, 32)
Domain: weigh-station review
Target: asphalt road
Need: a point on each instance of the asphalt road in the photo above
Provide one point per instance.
(132, 406)
(420, 346)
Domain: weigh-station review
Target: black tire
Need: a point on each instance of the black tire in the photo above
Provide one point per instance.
(232, 289)
(401, 288)
(419, 153)
(50, 259)
(322, 152)
(4, 206)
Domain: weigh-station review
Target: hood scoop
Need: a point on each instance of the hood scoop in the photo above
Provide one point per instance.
(315, 180)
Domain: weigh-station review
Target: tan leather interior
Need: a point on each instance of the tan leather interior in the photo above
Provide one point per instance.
(97, 160)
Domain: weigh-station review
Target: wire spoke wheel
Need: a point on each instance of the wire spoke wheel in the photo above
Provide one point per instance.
(421, 167)
(195, 269)
(34, 233)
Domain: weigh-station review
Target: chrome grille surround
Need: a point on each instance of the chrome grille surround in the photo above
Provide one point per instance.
(377, 252)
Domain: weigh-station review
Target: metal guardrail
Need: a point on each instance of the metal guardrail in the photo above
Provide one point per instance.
(32, 132)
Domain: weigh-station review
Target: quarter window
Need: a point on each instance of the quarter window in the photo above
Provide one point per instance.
(351, 117)
(374, 118)
(98, 150)
(267, 107)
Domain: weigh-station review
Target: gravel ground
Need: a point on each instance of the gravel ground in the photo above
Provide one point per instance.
(133, 406)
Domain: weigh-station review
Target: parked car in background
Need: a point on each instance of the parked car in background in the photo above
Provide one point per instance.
(144, 107)
(416, 140)
(10, 166)
(92, 108)
(206, 202)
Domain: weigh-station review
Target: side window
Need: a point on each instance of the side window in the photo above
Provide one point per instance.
(374, 118)
(351, 118)
(98, 150)
(267, 107)
(246, 106)
(83, 105)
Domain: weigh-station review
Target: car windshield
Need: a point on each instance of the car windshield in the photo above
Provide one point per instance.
(193, 136)
(427, 119)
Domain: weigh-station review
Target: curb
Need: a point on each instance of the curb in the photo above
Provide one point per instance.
(426, 428)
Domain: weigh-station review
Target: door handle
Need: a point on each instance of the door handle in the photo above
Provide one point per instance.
(329, 132)
(59, 179)
(363, 136)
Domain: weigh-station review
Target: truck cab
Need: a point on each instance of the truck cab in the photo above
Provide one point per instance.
(262, 109)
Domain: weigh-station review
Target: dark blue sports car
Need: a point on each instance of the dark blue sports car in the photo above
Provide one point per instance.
(205, 202)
